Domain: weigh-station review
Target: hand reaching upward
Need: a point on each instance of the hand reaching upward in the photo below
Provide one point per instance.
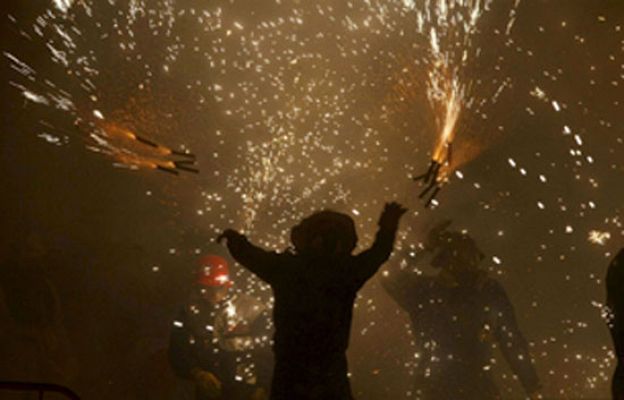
(391, 215)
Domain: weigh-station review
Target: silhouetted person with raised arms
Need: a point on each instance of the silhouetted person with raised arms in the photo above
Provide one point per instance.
(615, 302)
(458, 317)
(314, 288)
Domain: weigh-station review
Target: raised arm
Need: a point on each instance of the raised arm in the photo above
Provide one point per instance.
(399, 281)
(369, 261)
(264, 264)
(512, 343)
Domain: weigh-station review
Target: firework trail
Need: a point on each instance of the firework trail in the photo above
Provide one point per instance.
(449, 29)
(90, 95)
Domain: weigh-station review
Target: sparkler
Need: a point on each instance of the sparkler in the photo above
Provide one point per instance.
(64, 31)
(449, 27)
(148, 153)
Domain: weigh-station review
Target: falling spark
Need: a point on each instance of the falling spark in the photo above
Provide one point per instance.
(63, 5)
(599, 237)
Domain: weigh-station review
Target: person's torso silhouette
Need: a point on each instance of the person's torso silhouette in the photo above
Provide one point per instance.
(458, 316)
(615, 302)
(314, 290)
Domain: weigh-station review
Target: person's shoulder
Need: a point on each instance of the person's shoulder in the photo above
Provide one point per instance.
(425, 280)
(484, 280)
(286, 258)
(418, 283)
(249, 307)
(245, 299)
(488, 281)
(287, 254)
(615, 272)
(493, 287)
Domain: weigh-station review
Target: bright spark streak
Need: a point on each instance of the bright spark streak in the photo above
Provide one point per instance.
(63, 5)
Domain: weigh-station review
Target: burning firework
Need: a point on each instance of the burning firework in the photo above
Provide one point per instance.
(92, 83)
(449, 28)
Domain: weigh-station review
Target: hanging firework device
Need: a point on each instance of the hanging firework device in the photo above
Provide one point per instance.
(186, 161)
(433, 179)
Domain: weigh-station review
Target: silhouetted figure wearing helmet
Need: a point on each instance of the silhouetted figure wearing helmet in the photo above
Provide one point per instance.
(615, 302)
(220, 341)
(458, 316)
(314, 289)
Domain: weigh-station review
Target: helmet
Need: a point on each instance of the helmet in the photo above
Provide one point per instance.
(213, 271)
(325, 232)
(458, 247)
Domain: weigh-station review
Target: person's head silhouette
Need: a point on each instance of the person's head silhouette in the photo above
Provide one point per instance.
(325, 233)
(458, 255)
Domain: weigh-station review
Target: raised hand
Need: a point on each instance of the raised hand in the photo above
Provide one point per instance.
(227, 235)
(391, 215)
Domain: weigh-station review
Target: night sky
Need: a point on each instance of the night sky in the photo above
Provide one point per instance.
(293, 106)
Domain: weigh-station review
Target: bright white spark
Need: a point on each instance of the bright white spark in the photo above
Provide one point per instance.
(598, 237)
(35, 98)
(63, 5)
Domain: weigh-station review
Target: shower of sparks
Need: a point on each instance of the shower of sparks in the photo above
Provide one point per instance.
(92, 82)
(450, 27)
(290, 105)
(295, 106)
(445, 34)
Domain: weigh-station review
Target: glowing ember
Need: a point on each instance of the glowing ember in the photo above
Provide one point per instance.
(598, 237)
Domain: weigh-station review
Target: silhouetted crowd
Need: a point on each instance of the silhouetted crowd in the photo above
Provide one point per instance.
(225, 344)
